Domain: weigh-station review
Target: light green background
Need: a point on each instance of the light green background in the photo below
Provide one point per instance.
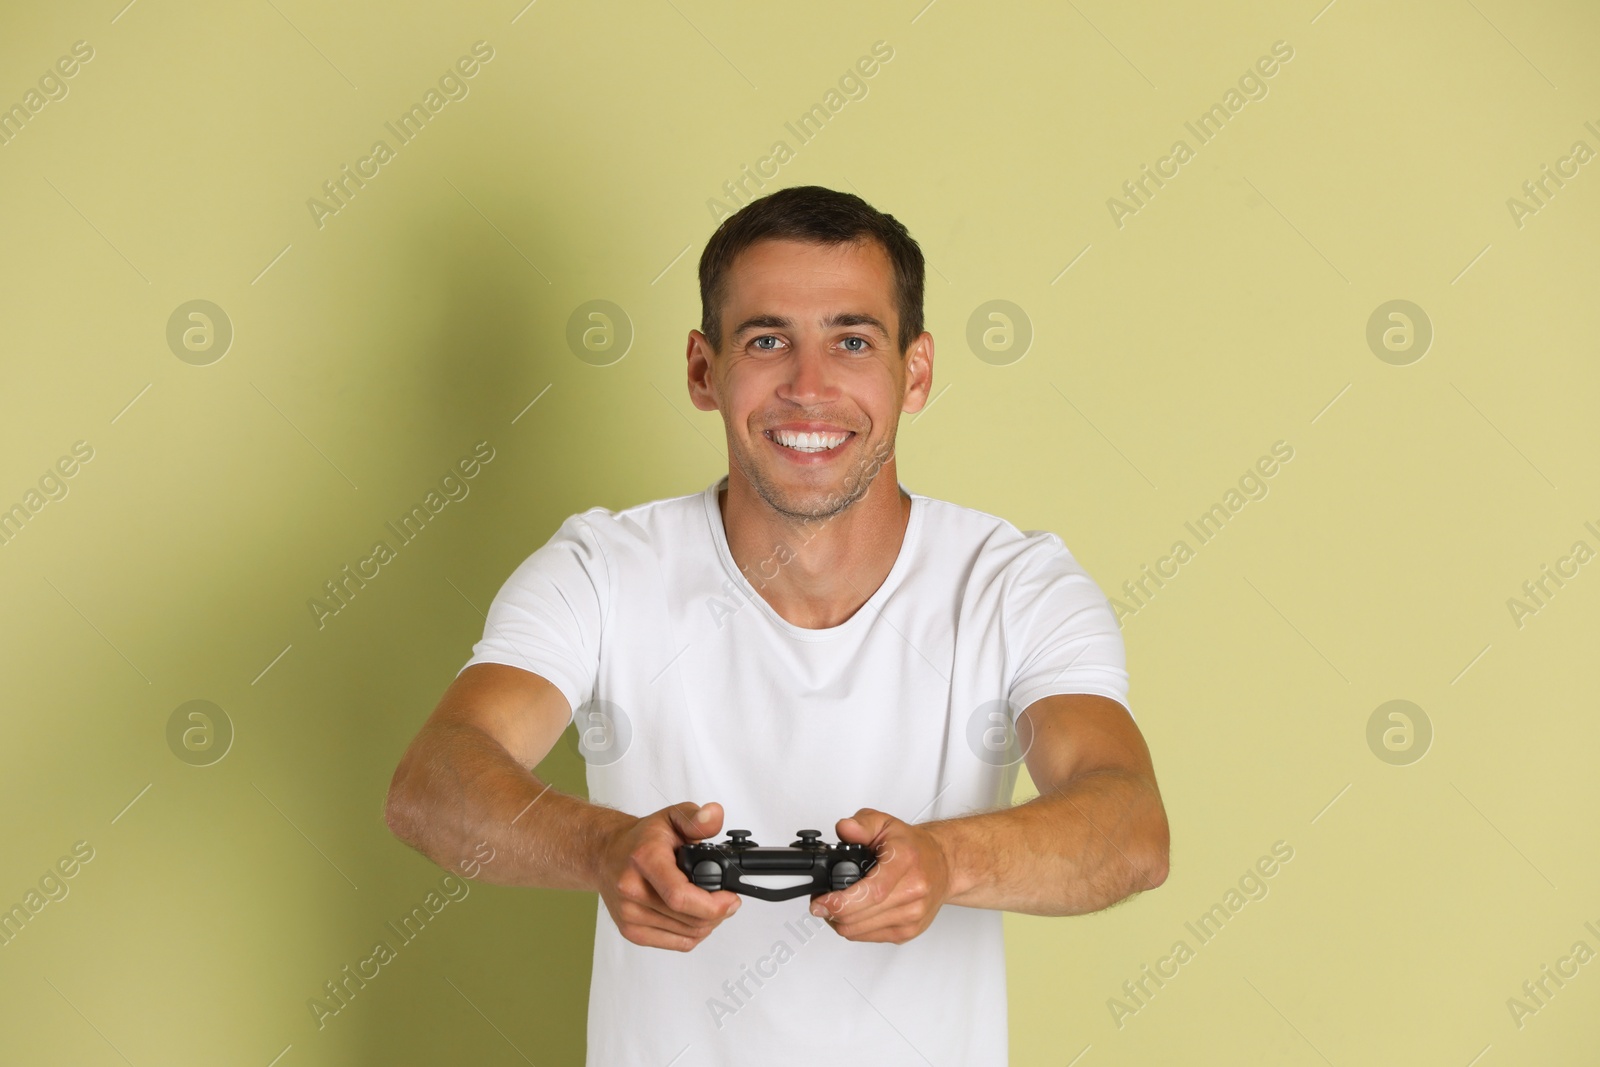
(1229, 313)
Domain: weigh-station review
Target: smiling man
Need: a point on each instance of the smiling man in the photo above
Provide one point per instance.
(804, 643)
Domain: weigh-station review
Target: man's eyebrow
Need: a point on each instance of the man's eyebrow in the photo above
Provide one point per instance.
(855, 318)
(762, 322)
(778, 322)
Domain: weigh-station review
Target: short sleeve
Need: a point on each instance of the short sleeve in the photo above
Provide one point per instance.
(548, 616)
(1061, 634)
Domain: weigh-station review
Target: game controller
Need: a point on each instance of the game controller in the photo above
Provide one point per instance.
(725, 865)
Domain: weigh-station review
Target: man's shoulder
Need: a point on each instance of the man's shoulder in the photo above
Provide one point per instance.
(648, 523)
(960, 529)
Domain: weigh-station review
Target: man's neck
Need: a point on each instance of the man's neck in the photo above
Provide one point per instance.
(816, 574)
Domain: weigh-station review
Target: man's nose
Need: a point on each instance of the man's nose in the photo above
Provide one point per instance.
(811, 372)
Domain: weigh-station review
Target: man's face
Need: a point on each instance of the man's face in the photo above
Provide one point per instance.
(809, 359)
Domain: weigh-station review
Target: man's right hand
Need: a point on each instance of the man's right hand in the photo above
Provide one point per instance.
(651, 901)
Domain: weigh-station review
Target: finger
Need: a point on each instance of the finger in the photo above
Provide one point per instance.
(660, 939)
(891, 925)
(677, 893)
(634, 914)
(884, 890)
(868, 893)
(644, 899)
(872, 888)
(724, 902)
(694, 823)
(860, 896)
(864, 826)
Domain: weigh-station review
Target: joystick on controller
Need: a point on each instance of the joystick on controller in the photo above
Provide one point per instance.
(724, 865)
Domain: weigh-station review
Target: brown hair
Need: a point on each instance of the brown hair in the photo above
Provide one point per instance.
(821, 216)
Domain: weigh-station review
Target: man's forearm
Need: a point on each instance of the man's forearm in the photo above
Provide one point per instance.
(457, 789)
(1072, 851)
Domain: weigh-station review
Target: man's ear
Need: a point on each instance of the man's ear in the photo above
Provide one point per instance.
(919, 373)
(702, 379)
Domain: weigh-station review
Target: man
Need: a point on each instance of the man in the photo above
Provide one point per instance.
(803, 640)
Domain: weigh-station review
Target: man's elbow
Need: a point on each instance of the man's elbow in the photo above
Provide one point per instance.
(1156, 871)
(399, 809)
(1156, 866)
(393, 816)
(1144, 872)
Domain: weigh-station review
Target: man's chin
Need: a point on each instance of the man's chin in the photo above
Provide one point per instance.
(809, 495)
(805, 492)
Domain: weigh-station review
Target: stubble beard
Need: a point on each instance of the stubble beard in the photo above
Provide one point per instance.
(824, 503)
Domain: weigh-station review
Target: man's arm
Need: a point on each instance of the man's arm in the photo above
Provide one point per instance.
(465, 780)
(1096, 833)
(464, 791)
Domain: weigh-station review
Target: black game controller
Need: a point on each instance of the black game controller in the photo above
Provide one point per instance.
(713, 866)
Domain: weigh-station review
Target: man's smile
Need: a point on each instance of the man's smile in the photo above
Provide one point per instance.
(814, 446)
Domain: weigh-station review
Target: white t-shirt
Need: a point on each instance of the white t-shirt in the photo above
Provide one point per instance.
(704, 693)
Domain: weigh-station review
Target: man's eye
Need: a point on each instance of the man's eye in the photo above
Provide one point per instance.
(864, 344)
(758, 344)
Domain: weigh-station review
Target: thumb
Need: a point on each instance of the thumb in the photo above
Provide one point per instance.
(862, 827)
(694, 823)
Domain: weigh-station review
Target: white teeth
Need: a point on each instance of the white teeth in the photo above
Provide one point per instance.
(807, 442)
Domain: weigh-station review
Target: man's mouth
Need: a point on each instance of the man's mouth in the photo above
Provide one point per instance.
(808, 444)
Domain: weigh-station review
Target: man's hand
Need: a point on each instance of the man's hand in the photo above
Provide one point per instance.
(652, 902)
(903, 892)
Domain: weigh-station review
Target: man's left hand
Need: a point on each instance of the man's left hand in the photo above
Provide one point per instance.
(900, 896)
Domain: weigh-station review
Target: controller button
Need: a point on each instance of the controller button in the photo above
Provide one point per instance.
(810, 837)
(738, 837)
(845, 875)
(708, 875)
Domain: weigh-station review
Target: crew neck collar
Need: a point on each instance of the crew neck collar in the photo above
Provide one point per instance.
(902, 563)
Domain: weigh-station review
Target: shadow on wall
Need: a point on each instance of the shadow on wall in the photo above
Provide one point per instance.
(512, 960)
(331, 721)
